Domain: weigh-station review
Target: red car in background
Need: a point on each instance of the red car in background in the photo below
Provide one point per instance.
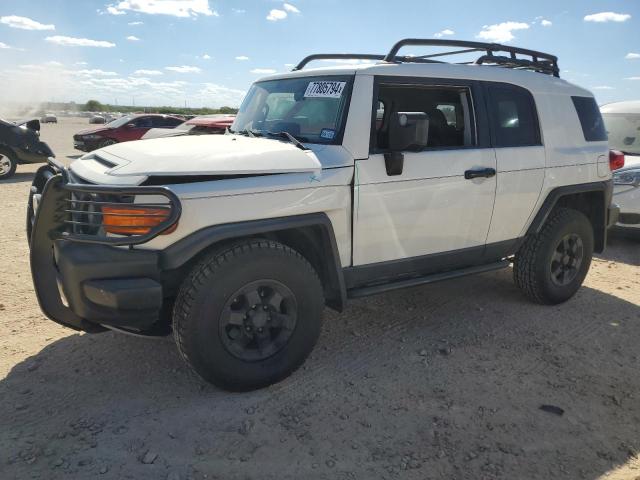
(124, 129)
(205, 124)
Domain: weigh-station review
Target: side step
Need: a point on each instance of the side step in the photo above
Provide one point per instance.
(432, 278)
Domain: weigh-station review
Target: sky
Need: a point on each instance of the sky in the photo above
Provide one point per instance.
(208, 52)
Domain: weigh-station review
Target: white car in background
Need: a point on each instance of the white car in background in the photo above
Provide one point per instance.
(622, 121)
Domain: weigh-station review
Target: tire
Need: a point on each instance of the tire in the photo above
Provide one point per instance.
(107, 142)
(8, 164)
(551, 266)
(217, 330)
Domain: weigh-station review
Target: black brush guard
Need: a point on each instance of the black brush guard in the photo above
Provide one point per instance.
(73, 259)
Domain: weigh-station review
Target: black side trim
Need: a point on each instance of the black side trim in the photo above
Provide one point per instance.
(437, 277)
(601, 220)
(394, 271)
(181, 252)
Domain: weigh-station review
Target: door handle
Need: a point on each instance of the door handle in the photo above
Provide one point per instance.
(480, 173)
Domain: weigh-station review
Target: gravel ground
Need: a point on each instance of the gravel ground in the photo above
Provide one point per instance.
(441, 381)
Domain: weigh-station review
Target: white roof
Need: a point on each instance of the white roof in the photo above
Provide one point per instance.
(630, 106)
(533, 81)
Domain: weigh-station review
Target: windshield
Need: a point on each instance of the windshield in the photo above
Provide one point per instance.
(312, 109)
(624, 131)
(118, 122)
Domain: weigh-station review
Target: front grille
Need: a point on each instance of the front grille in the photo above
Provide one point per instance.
(116, 215)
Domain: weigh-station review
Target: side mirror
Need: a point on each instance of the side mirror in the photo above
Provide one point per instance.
(131, 125)
(408, 131)
(33, 125)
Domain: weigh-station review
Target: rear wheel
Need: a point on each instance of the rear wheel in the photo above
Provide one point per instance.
(551, 266)
(249, 315)
(8, 164)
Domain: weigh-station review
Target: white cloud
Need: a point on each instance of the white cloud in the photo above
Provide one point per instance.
(81, 63)
(4, 46)
(206, 56)
(239, 10)
(25, 23)
(501, 32)
(114, 11)
(78, 42)
(53, 63)
(546, 23)
(602, 87)
(175, 8)
(290, 8)
(147, 72)
(133, 38)
(94, 72)
(275, 15)
(263, 71)
(632, 78)
(242, 58)
(632, 56)
(446, 31)
(607, 17)
(133, 24)
(184, 69)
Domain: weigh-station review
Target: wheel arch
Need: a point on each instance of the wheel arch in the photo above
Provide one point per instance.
(311, 235)
(592, 199)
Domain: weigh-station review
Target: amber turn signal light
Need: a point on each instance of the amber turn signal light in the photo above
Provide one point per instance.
(134, 220)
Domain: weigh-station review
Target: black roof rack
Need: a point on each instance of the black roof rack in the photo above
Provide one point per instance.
(493, 53)
(355, 56)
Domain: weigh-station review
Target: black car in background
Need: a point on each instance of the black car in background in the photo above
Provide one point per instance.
(20, 143)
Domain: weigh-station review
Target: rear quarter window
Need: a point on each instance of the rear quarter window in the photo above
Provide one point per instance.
(590, 119)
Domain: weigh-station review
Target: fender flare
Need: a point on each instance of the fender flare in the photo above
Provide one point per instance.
(600, 226)
(184, 250)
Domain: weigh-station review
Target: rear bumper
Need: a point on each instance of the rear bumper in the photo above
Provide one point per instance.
(86, 285)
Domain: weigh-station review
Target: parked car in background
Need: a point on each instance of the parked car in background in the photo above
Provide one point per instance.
(20, 143)
(125, 129)
(206, 124)
(97, 119)
(622, 121)
(49, 118)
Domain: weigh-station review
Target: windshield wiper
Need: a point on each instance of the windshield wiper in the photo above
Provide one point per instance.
(286, 135)
(246, 131)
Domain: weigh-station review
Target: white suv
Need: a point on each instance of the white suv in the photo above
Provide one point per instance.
(332, 183)
(622, 120)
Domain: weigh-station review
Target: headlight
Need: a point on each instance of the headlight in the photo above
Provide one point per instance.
(627, 177)
(91, 137)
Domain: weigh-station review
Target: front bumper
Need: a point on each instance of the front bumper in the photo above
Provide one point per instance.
(86, 145)
(88, 283)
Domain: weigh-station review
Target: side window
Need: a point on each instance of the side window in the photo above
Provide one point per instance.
(169, 122)
(143, 122)
(513, 117)
(590, 119)
(448, 110)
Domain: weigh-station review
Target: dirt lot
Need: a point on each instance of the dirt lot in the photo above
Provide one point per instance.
(442, 381)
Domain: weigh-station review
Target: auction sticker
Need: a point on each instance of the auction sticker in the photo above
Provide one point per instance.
(325, 89)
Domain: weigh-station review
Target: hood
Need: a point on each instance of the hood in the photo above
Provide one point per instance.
(163, 132)
(89, 131)
(631, 160)
(202, 155)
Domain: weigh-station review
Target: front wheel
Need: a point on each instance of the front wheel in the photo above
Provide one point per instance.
(249, 315)
(551, 265)
(8, 165)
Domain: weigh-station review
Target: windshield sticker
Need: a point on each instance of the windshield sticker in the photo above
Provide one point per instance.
(324, 89)
(328, 133)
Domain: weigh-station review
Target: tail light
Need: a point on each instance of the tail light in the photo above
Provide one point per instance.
(132, 220)
(616, 160)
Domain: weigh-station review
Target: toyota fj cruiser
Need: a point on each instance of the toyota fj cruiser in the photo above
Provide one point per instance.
(332, 183)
